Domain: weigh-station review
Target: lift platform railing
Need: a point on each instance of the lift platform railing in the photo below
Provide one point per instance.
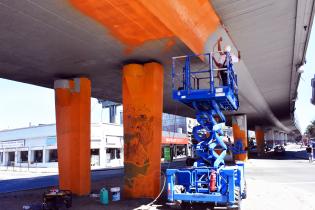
(202, 76)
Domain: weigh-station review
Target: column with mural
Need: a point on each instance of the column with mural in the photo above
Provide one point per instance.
(143, 106)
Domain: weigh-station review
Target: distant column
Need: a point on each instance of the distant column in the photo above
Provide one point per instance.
(29, 156)
(239, 125)
(273, 137)
(260, 140)
(73, 110)
(44, 155)
(5, 161)
(276, 137)
(143, 104)
(16, 157)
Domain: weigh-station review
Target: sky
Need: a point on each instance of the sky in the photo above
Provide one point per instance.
(305, 111)
(22, 104)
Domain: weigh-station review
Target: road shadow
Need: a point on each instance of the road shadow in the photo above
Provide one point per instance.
(287, 155)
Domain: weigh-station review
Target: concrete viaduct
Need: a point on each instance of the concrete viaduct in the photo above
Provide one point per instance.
(121, 51)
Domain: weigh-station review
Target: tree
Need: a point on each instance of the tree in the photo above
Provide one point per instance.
(310, 129)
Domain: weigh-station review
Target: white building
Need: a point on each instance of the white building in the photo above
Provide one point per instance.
(37, 146)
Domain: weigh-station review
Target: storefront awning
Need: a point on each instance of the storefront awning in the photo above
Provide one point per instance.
(170, 140)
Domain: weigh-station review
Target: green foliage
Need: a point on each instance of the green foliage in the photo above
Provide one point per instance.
(310, 129)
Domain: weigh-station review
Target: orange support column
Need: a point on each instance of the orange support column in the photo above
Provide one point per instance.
(73, 102)
(239, 125)
(260, 140)
(143, 104)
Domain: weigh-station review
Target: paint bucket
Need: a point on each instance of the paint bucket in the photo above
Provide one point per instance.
(115, 193)
(104, 196)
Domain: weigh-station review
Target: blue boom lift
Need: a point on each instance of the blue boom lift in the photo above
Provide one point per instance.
(209, 181)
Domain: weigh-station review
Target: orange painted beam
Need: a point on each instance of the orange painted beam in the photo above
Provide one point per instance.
(143, 104)
(191, 21)
(128, 21)
(72, 101)
(239, 126)
(138, 21)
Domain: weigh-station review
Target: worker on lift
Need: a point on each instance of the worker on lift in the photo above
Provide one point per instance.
(222, 63)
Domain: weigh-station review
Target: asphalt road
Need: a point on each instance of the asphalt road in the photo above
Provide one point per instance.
(281, 182)
(14, 185)
(278, 182)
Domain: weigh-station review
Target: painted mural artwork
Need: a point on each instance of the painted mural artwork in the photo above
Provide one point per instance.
(137, 143)
(142, 98)
(238, 147)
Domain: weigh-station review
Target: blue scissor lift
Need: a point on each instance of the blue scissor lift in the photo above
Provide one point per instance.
(208, 181)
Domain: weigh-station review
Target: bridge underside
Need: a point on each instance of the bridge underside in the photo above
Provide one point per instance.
(46, 40)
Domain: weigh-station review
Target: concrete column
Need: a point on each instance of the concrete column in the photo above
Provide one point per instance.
(5, 159)
(143, 104)
(260, 140)
(282, 138)
(276, 137)
(239, 125)
(103, 150)
(272, 136)
(29, 158)
(16, 157)
(44, 155)
(73, 110)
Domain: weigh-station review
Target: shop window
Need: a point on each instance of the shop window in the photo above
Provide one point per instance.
(1, 157)
(95, 151)
(24, 156)
(11, 156)
(95, 157)
(181, 151)
(115, 153)
(118, 153)
(121, 118)
(53, 155)
(38, 156)
(111, 151)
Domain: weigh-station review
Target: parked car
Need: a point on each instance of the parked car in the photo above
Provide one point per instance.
(279, 149)
(267, 148)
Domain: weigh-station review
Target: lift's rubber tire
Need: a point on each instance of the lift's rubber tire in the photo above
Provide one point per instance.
(190, 161)
(185, 206)
(238, 200)
(202, 206)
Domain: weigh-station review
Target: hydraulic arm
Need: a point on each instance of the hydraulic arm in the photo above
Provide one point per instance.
(196, 85)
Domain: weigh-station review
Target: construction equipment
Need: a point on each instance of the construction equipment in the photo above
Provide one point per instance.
(209, 181)
(54, 199)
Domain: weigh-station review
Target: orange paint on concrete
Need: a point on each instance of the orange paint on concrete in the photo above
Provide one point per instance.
(260, 140)
(143, 104)
(73, 135)
(134, 22)
(169, 44)
(128, 21)
(192, 21)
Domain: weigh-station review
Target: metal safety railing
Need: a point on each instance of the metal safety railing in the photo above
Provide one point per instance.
(186, 77)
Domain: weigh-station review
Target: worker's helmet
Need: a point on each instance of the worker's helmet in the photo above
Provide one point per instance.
(227, 48)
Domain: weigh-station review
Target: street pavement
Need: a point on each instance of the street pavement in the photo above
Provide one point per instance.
(30, 182)
(276, 182)
(281, 182)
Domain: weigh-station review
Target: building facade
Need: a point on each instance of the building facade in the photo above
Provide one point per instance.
(37, 146)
